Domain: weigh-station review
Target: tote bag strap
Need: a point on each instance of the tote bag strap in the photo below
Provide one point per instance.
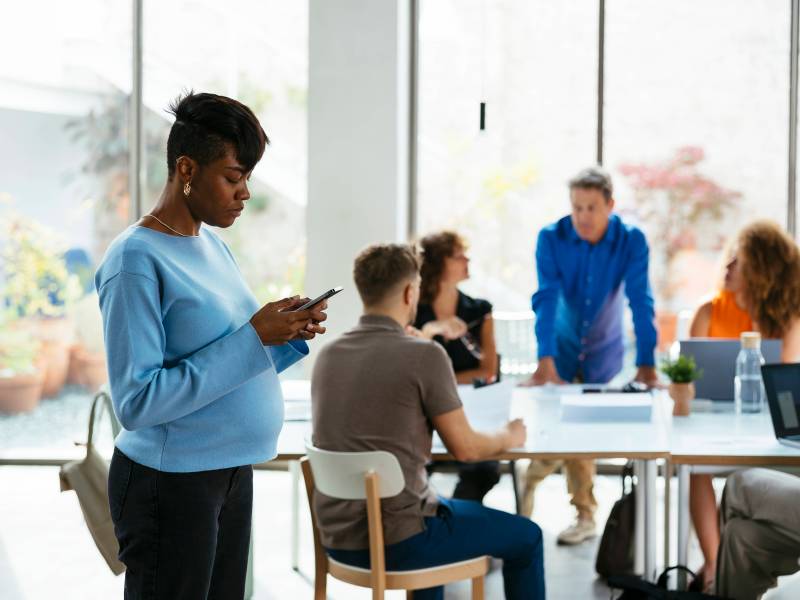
(101, 401)
(97, 401)
(115, 425)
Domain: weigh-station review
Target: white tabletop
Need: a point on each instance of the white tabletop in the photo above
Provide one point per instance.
(548, 436)
(725, 438)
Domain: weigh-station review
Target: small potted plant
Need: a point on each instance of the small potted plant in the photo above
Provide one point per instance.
(682, 373)
(20, 379)
(38, 291)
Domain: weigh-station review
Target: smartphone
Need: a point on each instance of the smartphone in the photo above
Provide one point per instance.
(320, 298)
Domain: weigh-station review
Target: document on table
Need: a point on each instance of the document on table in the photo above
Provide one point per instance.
(487, 408)
(606, 408)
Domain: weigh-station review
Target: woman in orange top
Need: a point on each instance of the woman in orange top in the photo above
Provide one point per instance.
(761, 293)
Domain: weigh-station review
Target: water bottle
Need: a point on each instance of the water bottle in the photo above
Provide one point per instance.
(748, 386)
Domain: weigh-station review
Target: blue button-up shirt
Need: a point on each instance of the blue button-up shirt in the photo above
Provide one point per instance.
(579, 301)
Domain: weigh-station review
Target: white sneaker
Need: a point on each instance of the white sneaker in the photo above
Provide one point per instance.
(580, 531)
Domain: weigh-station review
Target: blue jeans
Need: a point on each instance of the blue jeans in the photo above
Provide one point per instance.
(461, 530)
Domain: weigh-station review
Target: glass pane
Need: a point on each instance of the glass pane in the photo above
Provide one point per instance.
(696, 129)
(257, 52)
(535, 65)
(63, 197)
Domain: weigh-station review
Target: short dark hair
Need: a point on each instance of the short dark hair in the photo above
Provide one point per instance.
(206, 124)
(436, 247)
(379, 268)
(593, 178)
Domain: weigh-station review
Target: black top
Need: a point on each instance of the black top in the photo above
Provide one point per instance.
(464, 352)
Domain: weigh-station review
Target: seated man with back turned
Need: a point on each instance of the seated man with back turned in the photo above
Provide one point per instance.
(379, 388)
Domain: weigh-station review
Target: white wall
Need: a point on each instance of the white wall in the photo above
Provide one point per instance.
(357, 140)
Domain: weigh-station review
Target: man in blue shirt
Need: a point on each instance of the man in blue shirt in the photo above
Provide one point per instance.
(585, 261)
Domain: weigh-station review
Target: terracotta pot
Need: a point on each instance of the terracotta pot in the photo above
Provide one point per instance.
(73, 376)
(88, 368)
(682, 394)
(55, 335)
(54, 359)
(20, 393)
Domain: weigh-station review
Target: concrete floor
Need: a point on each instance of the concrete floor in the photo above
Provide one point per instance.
(47, 553)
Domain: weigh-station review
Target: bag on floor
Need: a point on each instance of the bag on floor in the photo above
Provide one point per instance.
(635, 588)
(89, 478)
(615, 555)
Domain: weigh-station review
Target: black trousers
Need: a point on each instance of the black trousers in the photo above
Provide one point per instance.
(182, 536)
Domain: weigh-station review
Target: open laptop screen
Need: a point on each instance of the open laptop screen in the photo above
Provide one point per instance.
(782, 384)
(717, 358)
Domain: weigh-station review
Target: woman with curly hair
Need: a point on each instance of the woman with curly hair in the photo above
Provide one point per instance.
(464, 326)
(761, 292)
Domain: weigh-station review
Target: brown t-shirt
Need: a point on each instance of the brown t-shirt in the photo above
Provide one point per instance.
(376, 388)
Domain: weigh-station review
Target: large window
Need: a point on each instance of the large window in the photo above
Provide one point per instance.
(64, 190)
(696, 128)
(64, 88)
(535, 66)
(694, 118)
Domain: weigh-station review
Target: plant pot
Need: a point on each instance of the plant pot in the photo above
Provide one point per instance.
(55, 335)
(87, 369)
(682, 394)
(54, 360)
(73, 375)
(21, 392)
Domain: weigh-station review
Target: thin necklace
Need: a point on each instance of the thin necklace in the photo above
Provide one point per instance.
(168, 227)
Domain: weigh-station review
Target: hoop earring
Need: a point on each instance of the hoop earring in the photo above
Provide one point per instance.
(187, 189)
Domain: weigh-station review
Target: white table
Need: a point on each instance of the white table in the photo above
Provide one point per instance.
(548, 437)
(721, 439)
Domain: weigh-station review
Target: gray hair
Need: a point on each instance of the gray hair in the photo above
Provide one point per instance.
(593, 178)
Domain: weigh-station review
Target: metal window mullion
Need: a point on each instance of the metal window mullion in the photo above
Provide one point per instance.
(413, 107)
(791, 217)
(135, 138)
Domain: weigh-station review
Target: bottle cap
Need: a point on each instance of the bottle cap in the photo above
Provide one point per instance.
(751, 340)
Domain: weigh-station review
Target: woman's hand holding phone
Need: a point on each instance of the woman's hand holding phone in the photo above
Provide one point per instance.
(279, 322)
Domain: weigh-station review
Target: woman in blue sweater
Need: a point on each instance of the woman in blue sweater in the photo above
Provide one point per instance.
(193, 363)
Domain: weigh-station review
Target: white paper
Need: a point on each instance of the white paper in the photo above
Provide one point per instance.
(606, 407)
(487, 408)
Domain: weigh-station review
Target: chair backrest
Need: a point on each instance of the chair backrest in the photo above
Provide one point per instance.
(341, 474)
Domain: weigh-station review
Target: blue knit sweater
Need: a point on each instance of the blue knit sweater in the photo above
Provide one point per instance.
(191, 383)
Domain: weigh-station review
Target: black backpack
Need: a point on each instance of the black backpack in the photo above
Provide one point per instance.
(615, 553)
(635, 588)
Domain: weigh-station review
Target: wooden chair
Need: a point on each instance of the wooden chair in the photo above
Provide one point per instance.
(371, 476)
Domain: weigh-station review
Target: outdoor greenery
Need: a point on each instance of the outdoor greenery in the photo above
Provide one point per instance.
(35, 279)
(18, 351)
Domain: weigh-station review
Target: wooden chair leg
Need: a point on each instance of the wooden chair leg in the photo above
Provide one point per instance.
(477, 588)
(409, 594)
(512, 465)
(377, 593)
(320, 585)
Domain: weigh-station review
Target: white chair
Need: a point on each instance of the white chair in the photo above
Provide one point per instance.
(371, 476)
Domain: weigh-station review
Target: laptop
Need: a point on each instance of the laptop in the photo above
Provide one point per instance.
(717, 358)
(782, 383)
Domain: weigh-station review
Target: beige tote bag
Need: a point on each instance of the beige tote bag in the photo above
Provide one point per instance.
(89, 478)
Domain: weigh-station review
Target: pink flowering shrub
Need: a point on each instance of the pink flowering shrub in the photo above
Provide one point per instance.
(678, 205)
